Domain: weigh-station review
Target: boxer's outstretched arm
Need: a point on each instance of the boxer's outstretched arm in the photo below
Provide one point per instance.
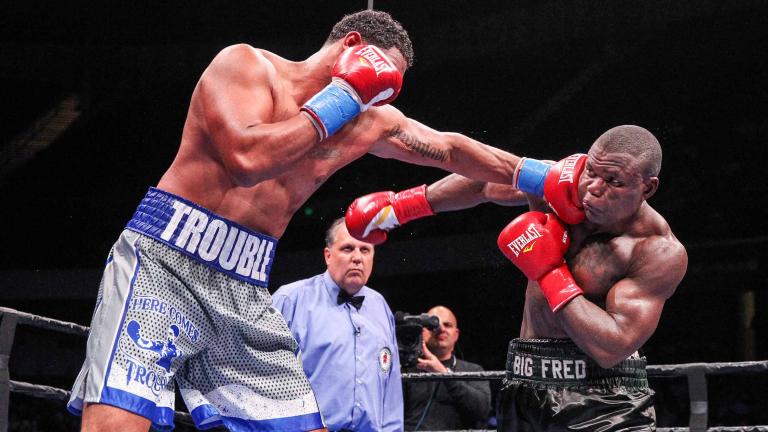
(236, 105)
(456, 192)
(407, 140)
(369, 217)
(366, 222)
(633, 305)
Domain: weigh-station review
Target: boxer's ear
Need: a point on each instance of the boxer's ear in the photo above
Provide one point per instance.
(352, 38)
(650, 186)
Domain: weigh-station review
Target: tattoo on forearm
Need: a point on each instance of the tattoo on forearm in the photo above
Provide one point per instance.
(324, 153)
(414, 144)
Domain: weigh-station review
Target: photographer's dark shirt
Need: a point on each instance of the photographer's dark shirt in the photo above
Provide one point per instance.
(455, 404)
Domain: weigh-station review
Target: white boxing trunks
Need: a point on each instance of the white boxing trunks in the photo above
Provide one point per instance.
(183, 298)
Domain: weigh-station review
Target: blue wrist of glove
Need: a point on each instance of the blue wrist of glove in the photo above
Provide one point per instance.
(531, 175)
(330, 109)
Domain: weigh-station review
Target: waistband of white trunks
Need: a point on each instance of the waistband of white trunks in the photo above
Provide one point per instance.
(560, 361)
(205, 236)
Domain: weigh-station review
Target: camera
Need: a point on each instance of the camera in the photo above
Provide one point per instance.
(409, 338)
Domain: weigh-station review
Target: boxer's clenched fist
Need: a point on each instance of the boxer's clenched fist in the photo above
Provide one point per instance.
(536, 242)
(369, 217)
(363, 76)
(558, 184)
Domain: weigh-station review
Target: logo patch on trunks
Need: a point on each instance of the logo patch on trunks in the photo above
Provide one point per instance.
(140, 374)
(158, 306)
(385, 359)
(167, 349)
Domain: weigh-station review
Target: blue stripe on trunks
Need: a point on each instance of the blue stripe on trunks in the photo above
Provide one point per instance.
(205, 236)
(207, 417)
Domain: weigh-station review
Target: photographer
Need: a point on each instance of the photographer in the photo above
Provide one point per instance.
(444, 405)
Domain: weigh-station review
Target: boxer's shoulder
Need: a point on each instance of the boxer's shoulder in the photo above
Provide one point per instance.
(234, 54)
(660, 262)
(393, 131)
(656, 243)
(385, 118)
(658, 250)
(371, 130)
(243, 51)
(242, 62)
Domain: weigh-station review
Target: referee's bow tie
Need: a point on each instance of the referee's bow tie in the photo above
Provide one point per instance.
(356, 301)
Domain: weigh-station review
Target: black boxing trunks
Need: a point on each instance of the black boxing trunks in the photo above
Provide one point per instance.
(552, 385)
(183, 301)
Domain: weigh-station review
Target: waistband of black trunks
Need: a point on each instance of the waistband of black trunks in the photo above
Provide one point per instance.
(561, 362)
(204, 236)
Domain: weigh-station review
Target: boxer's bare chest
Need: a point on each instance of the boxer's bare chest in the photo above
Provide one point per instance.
(323, 159)
(287, 192)
(267, 206)
(597, 262)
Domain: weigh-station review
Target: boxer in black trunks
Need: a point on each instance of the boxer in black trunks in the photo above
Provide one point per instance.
(596, 286)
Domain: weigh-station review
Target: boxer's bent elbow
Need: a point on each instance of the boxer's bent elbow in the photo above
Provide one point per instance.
(245, 172)
(606, 362)
(607, 359)
(247, 169)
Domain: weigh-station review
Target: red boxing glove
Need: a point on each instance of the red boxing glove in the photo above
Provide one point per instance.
(369, 217)
(561, 188)
(558, 184)
(369, 75)
(536, 242)
(362, 76)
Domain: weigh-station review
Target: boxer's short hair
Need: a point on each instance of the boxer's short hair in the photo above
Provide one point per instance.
(636, 141)
(376, 28)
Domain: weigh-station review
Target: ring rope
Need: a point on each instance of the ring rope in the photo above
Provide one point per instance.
(45, 322)
(46, 392)
(663, 370)
(15, 317)
(53, 393)
(668, 370)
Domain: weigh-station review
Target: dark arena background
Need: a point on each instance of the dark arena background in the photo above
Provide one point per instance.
(94, 97)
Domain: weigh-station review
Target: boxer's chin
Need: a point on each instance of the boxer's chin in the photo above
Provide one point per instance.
(591, 212)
